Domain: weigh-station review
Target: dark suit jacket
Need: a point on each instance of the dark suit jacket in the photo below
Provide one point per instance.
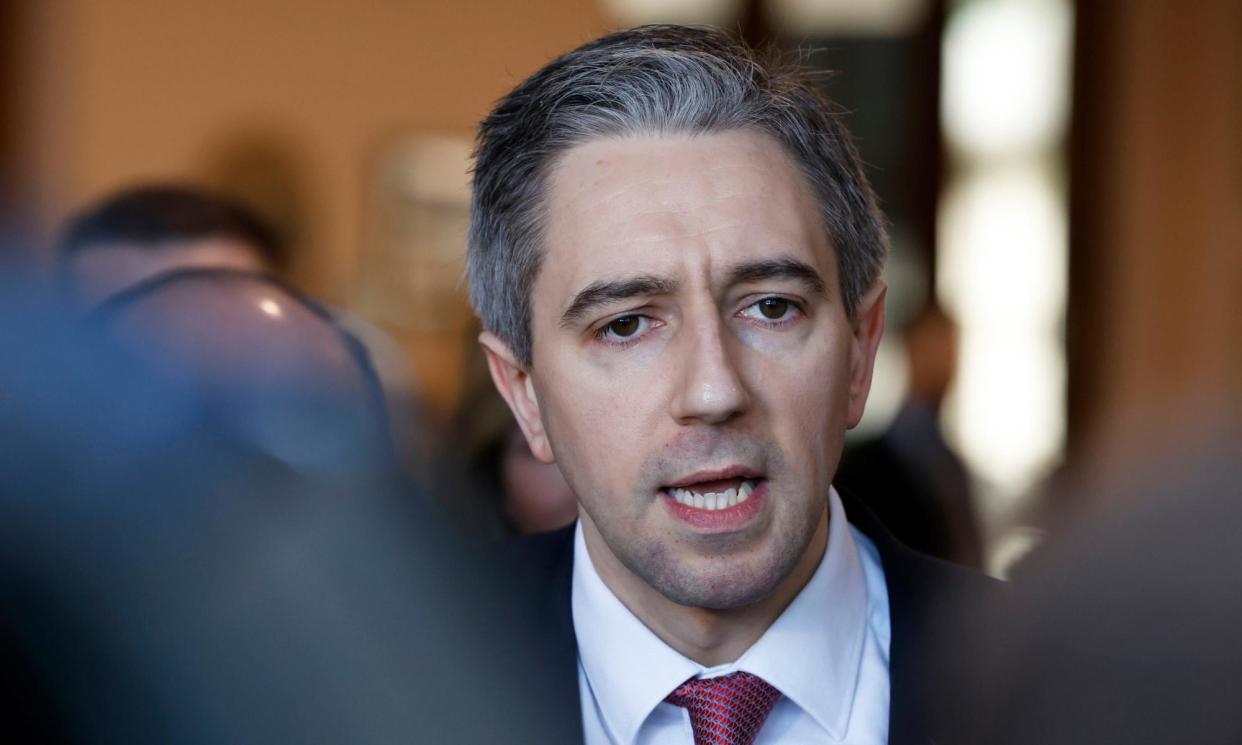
(932, 605)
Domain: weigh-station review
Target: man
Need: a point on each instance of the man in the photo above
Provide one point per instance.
(138, 236)
(148, 230)
(675, 255)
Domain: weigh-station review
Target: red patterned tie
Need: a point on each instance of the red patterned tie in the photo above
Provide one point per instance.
(728, 710)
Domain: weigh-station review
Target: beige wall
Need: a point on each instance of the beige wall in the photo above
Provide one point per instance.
(116, 91)
(137, 89)
(119, 90)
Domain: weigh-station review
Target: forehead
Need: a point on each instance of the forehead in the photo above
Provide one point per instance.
(623, 205)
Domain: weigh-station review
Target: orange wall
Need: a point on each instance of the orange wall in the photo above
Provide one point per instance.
(120, 90)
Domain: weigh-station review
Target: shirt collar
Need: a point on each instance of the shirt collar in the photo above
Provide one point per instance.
(629, 669)
(811, 653)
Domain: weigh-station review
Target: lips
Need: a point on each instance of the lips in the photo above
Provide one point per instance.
(715, 500)
(705, 478)
(715, 512)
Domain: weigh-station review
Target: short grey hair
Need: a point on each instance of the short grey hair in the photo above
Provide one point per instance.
(651, 80)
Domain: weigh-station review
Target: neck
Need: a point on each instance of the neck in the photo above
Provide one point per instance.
(709, 636)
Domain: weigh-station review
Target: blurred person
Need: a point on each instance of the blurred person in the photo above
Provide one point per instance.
(256, 352)
(489, 472)
(1122, 627)
(676, 256)
(910, 476)
(167, 576)
(537, 499)
(144, 231)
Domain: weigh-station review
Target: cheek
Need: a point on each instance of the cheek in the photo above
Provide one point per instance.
(806, 392)
(609, 394)
(599, 424)
(580, 414)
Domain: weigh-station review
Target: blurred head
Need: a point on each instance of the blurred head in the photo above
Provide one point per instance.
(932, 347)
(142, 232)
(488, 470)
(674, 252)
(271, 367)
(536, 495)
(1122, 626)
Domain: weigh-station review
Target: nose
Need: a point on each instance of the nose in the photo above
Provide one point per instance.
(711, 389)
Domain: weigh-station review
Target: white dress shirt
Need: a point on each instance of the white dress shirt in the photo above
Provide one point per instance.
(827, 654)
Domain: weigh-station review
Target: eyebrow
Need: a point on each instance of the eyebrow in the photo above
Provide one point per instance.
(602, 293)
(779, 268)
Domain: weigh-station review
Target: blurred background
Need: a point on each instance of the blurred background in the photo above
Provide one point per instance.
(1063, 181)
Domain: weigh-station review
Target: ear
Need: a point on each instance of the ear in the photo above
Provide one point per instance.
(867, 331)
(517, 388)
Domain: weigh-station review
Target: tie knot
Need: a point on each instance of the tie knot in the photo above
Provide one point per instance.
(728, 710)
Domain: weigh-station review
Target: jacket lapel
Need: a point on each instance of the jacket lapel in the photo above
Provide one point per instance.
(933, 606)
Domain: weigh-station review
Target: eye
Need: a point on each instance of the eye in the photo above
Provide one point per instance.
(771, 309)
(774, 308)
(624, 329)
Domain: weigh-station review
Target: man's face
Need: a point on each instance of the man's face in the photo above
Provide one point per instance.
(694, 366)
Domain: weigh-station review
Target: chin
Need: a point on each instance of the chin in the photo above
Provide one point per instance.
(722, 586)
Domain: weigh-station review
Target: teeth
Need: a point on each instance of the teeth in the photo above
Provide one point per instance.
(714, 500)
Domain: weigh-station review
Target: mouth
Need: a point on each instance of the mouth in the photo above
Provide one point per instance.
(720, 494)
(716, 500)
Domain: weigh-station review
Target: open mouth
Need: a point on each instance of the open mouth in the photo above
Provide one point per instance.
(716, 490)
(717, 502)
(715, 495)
